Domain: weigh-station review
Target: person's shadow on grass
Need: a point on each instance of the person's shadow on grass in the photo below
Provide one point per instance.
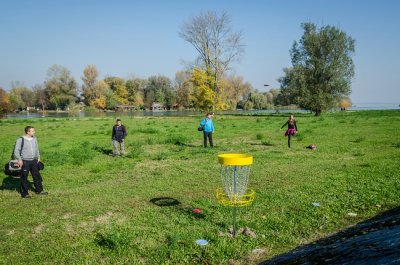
(103, 150)
(12, 183)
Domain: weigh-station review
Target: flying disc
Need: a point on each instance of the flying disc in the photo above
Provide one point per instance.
(201, 242)
(197, 210)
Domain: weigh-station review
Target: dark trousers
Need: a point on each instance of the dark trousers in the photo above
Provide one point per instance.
(209, 136)
(30, 166)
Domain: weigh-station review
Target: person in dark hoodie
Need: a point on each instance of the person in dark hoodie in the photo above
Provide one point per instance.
(118, 137)
(28, 157)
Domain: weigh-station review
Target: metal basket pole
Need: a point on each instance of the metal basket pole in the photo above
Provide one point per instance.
(235, 192)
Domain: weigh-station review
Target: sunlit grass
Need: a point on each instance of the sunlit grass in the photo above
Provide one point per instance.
(100, 209)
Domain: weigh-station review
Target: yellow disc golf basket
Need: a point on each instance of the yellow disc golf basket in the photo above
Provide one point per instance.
(235, 173)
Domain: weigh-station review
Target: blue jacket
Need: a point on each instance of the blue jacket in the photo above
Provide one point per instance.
(208, 125)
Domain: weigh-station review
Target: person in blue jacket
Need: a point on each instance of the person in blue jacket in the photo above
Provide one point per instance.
(208, 128)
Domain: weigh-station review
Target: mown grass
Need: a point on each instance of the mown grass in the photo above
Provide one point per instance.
(100, 209)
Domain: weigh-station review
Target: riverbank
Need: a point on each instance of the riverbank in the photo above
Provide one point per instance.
(184, 113)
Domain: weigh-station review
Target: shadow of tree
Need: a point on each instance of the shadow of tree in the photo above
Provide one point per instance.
(374, 241)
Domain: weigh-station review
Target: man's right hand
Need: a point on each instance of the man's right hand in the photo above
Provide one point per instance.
(20, 163)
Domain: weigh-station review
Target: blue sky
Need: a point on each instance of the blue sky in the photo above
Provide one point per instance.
(140, 38)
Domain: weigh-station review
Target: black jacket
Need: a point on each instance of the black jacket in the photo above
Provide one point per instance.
(118, 133)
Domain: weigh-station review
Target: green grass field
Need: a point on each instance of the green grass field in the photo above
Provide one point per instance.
(100, 211)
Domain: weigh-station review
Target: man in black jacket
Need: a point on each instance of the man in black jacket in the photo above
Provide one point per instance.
(118, 137)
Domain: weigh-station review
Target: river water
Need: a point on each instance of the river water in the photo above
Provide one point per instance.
(185, 113)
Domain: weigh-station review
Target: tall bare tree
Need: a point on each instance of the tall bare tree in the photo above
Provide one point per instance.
(40, 96)
(89, 79)
(237, 89)
(215, 41)
(184, 88)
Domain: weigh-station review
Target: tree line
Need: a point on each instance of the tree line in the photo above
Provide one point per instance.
(60, 91)
(318, 80)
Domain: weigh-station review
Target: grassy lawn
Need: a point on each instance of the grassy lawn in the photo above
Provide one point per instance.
(100, 209)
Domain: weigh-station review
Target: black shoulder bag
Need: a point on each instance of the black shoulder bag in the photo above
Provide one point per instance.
(12, 168)
(201, 127)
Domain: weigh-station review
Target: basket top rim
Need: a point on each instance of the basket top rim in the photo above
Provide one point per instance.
(235, 159)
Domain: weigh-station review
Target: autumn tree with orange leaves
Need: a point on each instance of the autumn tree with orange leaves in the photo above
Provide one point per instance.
(4, 102)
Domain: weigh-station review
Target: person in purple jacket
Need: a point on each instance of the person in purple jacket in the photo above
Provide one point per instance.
(292, 128)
